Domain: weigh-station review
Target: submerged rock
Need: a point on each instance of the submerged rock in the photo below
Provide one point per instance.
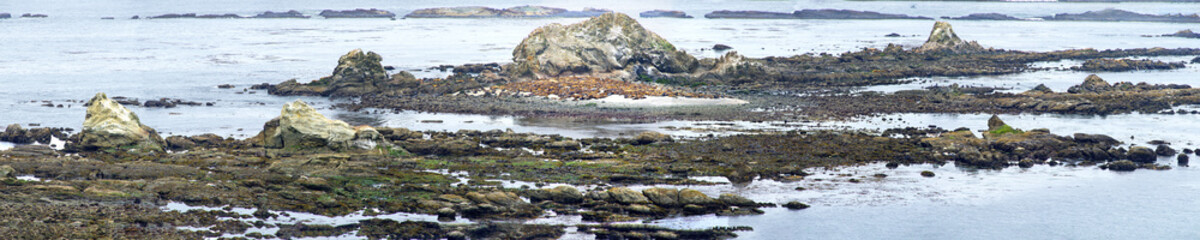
(1142, 154)
(357, 13)
(664, 14)
(110, 125)
(943, 39)
(299, 126)
(610, 42)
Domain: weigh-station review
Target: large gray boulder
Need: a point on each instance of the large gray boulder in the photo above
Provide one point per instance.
(299, 126)
(943, 39)
(602, 44)
(110, 125)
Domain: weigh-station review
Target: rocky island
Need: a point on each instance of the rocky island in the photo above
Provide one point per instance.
(809, 14)
(512, 12)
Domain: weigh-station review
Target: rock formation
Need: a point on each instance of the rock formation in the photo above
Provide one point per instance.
(943, 39)
(357, 13)
(110, 125)
(1092, 84)
(664, 14)
(1122, 15)
(985, 16)
(299, 126)
(809, 14)
(512, 12)
(357, 74)
(610, 42)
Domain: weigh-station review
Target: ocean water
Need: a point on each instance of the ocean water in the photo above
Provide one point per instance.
(73, 54)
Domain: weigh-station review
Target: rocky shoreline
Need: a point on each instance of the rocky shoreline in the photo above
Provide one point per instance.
(116, 176)
(809, 14)
(512, 12)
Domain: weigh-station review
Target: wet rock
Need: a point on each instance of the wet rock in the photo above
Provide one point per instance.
(1123, 165)
(1122, 15)
(1164, 150)
(1119, 65)
(1025, 163)
(1182, 159)
(302, 127)
(512, 12)
(892, 35)
(31, 151)
(984, 16)
(666, 197)
(627, 196)
(505, 199)
(5, 15)
(721, 47)
(288, 14)
(664, 14)
(794, 205)
(1095, 138)
(446, 214)
(649, 137)
(7, 172)
(357, 74)
(225, 86)
(809, 14)
(995, 123)
(927, 174)
(357, 13)
(34, 15)
(735, 200)
(1142, 154)
(563, 194)
(110, 125)
(943, 39)
(568, 145)
(179, 143)
(610, 42)
(1091, 84)
(1040, 88)
(694, 197)
(193, 15)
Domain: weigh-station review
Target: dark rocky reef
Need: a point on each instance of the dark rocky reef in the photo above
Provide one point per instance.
(288, 14)
(810, 14)
(5, 15)
(512, 12)
(1187, 33)
(14, 133)
(664, 14)
(1121, 65)
(34, 15)
(1122, 15)
(357, 13)
(193, 15)
(984, 16)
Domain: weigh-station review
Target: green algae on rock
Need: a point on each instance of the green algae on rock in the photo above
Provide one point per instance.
(108, 125)
(609, 42)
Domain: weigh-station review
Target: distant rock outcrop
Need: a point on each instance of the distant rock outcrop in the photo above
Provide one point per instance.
(1122, 15)
(299, 126)
(193, 15)
(34, 15)
(5, 15)
(357, 13)
(358, 73)
(984, 16)
(288, 14)
(109, 125)
(664, 14)
(943, 39)
(1183, 34)
(512, 12)
(610, 42)
(810, 14)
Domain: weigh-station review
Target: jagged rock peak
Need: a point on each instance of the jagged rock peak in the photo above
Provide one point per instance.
(943, 38)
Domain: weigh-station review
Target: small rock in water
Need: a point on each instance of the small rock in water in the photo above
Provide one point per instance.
(794, 205)
(1183, 160)
(225, 86)
(892, 35)
(927, 174)
(721, 47)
